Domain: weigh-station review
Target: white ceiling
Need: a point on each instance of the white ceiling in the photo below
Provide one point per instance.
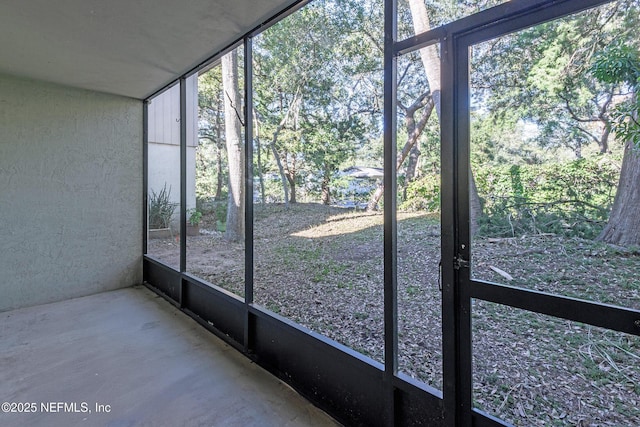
(124, 47)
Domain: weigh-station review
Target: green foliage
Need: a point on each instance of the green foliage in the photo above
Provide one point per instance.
(423, 194)
(570, 198)
(211, 157)
(161, 208)
(541, 75)
(329, 142)
(221, 211)
(317, 77)
(617, 63)
(194, 216)
(620, 64)
(625, 122)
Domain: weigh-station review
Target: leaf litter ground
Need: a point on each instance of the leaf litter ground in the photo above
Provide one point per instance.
(323, 268)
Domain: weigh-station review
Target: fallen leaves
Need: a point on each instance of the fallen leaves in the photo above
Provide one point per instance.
(323, 268)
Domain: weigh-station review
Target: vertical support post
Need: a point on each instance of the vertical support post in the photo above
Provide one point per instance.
(183, 181)
(463, 239)
(456, 301)
(248, 191)
(145, 175)
(390, 225)
(447, 225)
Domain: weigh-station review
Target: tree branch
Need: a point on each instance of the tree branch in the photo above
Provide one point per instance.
(234, 108)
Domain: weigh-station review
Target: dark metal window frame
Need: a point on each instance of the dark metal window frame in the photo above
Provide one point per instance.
(458, 287)
(353, 388)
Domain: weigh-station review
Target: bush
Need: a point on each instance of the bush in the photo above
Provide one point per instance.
(221, 211)
(161, 208)
(423, 194)
(571, 198)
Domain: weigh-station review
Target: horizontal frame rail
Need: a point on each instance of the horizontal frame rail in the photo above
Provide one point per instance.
(498, 20)
(592, 313)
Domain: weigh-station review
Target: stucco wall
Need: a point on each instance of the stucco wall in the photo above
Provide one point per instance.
(71, 190)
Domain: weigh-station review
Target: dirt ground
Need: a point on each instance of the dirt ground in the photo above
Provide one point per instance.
(323, 268)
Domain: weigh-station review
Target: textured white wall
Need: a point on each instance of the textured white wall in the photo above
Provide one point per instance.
(70, 192)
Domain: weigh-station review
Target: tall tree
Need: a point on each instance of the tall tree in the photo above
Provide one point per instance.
(620, 64)
(211, 175)
(313, 90)
(235, 147)
(425, 103)
(283, 67)
(329, 142)
(423, 107)
(541, 74)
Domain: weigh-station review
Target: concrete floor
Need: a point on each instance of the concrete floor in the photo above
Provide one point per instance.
(146, 362)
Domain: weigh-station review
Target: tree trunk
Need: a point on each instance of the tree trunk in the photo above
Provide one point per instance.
(431, 63)
(326, 192)
(414, 130)
(295, 103)
(623, 227)
(235, 148)
(375, 199)
(218, 195)
(291, 173)
(475, 207)
(429, 54)
(283, 177)
(604, 140)
(219, 148)
(292, 186)
(412, 166)
(258, 149)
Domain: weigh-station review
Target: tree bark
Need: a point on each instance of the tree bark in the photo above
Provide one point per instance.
(429, 54)
(431, 63)
(623, 227)
(375, 199)
(412, 167)
(294, 104)
(291, 178)
(235, 148)
(604, 140)
(258, 152)
(283, 177)
(475, 207)
(219, 147)
(414, 130)
(218, 195)
(326, 192)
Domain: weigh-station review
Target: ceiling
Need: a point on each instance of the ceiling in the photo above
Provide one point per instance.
(125, 47)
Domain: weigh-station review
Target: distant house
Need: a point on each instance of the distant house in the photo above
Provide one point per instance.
(364, 172)
(361, 181)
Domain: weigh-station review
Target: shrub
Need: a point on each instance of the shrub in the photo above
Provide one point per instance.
(423, 194)
(194, 216)
(570, 198)
(161, 208)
